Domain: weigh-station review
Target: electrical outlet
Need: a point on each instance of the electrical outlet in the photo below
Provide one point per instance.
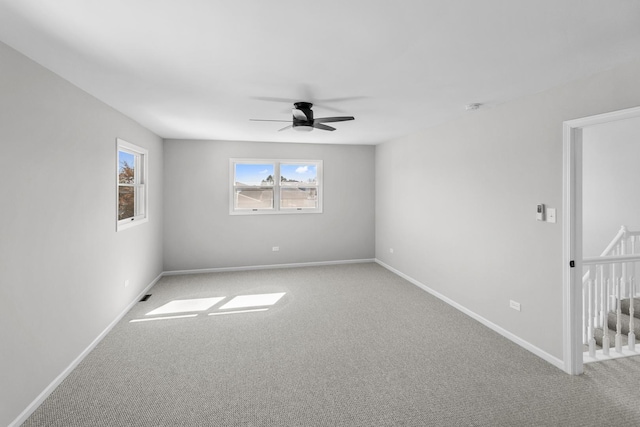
(514, 305)
(390, 250)
(276, 249)
(126, 283)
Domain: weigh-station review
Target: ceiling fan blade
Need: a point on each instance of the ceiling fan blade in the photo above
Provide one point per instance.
(333, 119)
(267, 120)
(272, 99)
(285, 128)
(343, 99)
(321, 126)
(330, 108)
(326, 103)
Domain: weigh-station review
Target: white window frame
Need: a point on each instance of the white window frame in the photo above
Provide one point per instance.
(141, 156)
(276, 209)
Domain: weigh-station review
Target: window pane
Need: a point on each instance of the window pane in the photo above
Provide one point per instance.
(258, 198)
(126, 202)
(251, 174)
(294, 174)
(140, 200)
(126, 167)
(299, 197)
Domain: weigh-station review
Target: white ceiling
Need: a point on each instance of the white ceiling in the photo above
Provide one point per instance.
(200, 69)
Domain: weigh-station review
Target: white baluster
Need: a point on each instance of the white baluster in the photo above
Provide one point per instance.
(623, 251)
(632, 322)
(618, 317)
(637, 248)
(585, 313)
(592, 309)
(604, 272)
(596, 297)
(601, 316)
(632, 265)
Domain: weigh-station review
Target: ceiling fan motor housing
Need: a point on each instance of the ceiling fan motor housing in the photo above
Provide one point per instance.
(302, 116)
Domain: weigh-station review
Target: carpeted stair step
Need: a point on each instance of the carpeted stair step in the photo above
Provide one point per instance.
(624, 307)
(598, 335)
(624, 323)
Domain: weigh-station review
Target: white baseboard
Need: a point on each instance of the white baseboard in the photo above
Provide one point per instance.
(266, 267)
(558, 363)
(56, 382)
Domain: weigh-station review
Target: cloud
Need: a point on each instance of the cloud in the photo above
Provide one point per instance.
(264, 171)
(302, 169)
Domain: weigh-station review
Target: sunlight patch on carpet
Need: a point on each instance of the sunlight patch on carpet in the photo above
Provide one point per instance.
(258, 300)
(186, 305)
(162, 318)
(237, 311)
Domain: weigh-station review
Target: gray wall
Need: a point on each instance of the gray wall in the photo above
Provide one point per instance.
(199, 233)
(611, 182)
(62, 264)
(457, 204)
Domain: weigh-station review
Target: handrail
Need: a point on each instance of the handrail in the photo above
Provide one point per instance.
(615, 241)
(611, 259)
(622, 233)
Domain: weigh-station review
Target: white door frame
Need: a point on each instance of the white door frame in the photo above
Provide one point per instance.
(572, 233)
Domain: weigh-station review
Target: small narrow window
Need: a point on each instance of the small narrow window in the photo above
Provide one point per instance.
(275, 186)
(131, 178)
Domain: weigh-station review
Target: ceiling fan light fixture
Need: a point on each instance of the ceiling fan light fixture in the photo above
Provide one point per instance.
(303, 128)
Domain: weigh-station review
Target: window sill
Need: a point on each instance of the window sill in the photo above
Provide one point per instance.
(130, 224)
(277, 212)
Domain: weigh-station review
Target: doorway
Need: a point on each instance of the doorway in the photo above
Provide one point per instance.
(574, 131)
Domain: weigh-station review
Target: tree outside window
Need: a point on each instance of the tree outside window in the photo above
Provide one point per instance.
(132, 183)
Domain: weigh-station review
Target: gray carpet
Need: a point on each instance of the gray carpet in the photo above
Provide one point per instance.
(349, 345)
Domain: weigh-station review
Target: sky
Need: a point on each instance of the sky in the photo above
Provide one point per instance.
(254, 174)
(122, 157)
(299, 172)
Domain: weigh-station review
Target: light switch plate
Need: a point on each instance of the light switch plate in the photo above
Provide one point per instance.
(551, 215)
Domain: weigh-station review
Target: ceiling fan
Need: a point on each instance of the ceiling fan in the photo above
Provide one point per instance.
(303, 119)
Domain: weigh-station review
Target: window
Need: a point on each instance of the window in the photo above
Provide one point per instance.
(131, 172)
(275, 186)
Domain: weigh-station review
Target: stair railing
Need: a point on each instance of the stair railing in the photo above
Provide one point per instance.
(595, 297)
(610, 278)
